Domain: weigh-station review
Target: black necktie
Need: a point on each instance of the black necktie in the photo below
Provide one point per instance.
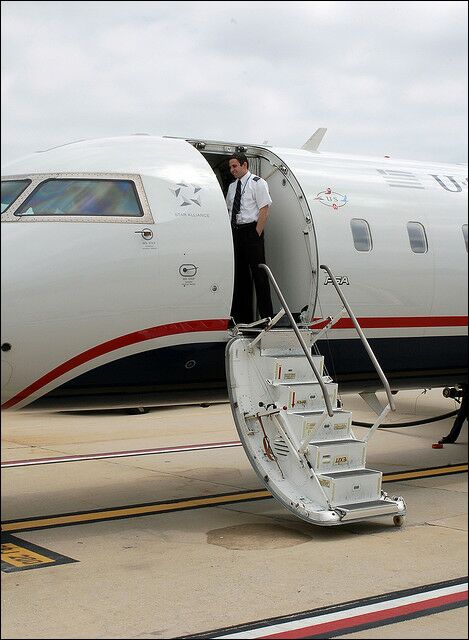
(236, 204)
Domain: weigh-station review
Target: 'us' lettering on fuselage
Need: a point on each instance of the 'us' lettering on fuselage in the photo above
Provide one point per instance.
(450, 183)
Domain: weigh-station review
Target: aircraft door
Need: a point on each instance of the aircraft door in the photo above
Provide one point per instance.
(290, 241)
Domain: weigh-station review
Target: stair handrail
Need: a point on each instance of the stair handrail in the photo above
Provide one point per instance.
(365, 342)
(300, 338)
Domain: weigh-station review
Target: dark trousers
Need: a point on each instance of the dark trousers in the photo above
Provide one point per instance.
(249, 253)
(459, 421)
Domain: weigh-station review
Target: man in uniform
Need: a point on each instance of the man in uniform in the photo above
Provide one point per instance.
(248, 202)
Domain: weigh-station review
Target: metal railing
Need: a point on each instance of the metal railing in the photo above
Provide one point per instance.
(298, 335)
(365, 342)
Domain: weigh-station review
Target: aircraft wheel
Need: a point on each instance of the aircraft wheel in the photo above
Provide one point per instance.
(398, 521)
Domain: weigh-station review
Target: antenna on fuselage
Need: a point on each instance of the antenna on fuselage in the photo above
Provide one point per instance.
(313, 143)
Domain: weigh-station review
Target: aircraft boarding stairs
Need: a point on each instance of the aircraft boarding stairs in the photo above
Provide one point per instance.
(292, 426)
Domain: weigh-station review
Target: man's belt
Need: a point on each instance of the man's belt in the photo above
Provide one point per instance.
(247, 225)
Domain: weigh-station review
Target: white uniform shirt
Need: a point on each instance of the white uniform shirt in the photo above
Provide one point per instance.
(254, 196)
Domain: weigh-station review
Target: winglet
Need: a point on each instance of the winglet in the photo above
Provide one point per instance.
(313, 143)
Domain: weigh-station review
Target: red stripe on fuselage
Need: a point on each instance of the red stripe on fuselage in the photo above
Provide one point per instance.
(189, 326)
(193, 326)
(398, 322)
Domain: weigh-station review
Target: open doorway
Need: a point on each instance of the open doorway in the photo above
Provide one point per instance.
(289, 235)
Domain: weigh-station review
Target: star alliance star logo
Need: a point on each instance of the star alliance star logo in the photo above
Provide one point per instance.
(187, 194)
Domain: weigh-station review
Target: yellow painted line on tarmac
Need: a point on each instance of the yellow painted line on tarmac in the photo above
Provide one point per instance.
(425, 473)
(132, 511)
(192, 503)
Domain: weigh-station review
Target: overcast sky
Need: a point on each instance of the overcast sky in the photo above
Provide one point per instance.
(383, 77)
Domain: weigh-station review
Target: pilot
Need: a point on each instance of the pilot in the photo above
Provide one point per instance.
(248, 201)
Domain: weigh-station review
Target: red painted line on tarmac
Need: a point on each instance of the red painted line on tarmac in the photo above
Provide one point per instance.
(353, 616)
(400, 613)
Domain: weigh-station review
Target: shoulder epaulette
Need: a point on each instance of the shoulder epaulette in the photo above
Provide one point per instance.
(256, 178)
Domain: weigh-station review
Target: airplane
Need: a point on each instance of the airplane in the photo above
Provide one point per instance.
(117, 268)
(117, 288)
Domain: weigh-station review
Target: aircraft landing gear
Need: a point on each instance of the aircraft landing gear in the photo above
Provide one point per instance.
(462, 414)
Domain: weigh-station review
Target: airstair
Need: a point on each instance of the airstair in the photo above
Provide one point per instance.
(293, 428)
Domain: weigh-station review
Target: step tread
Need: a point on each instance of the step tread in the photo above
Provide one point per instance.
(282, 354)
(322, 443)
(295, 383)
(290, 355)
(318, 412)
(355, 506)
(292, 412)
(352, 473)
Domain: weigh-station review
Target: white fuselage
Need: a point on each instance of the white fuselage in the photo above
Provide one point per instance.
(102, 310)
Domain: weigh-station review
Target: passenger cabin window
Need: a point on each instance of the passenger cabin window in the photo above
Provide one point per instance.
(82, 197)
(464, 232)
(11, 189)
(417, 237)
(361, 234)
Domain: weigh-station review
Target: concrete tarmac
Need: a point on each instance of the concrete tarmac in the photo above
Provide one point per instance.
(184, 572)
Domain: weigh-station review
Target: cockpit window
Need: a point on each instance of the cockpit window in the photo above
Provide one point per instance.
(11, 189)
(82, 197)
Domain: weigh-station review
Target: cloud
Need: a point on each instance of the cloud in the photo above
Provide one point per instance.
(381, 77)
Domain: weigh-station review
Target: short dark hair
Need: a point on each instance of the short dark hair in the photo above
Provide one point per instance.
(240, 157)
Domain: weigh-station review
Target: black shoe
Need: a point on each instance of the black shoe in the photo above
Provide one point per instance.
(447, 440)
